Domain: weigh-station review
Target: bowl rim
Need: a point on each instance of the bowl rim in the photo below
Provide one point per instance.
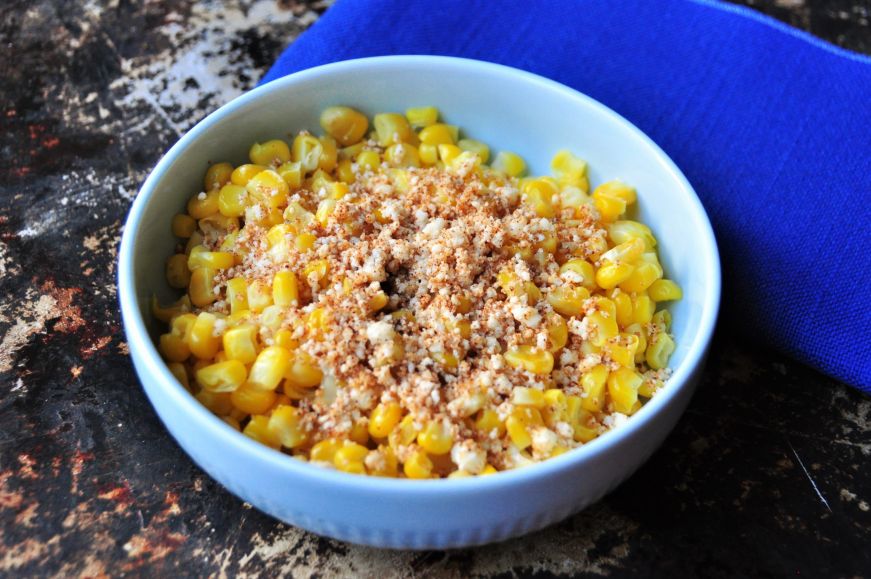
(141, 343)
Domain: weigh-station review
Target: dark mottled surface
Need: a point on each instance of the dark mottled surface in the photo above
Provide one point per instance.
(766, 475)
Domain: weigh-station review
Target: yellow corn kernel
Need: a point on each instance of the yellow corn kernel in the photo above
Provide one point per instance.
(612, 274)
(359, 433)
(329, 154)
(445, 359)
(269, 368)
(349, 458)
(623, 389)
(623, 306)
(384, 419)
(642, 309)
(317, 321)
(659, 350)
(284, 289)
(429, 154)
(488, 421)
(200, 337)
(240, 343)
(622, 231)
(617, 189)
(200, 257)
(622, 349)
(509, 163)
(664, 290)
(219, 403)
(391, 355)
(489, 469)
(274, 152)
(244, 173)
(417, 465)
(510, 283)
(377, 302)
(436, 437)
(610, 207)
(217, 176)
(268, 187)
(369, 161)
(259, 296)
(638, 331)
(530, 359)
(223, 376)
(203, 204)
(344, 124)
(448, 153)
(317, 271)
(601, 327)
(345, 171)
(518, 433)
(402, 155)
(521, 396)
(292, 174)
(325, 209)
(555, 407)
(539, 193)
(165, 314)
(477, 147)
(183, 226)
(393, 128)
(579, 271)
(178, 371)
(573, 197)
(662, 320)
(307, 150)
(233, 200)
(177, 273)
(252, 399)
(593, 383)
(303, 372)
(557, 332)
(173, 348)
(325, 450)
(568, 300)
(258, 429)
(649, 387)
(422, 116)
(237, 295)
(305, 241)
(438, 134)
(570, 170)
(644, 275)
(403, 434)
(387, 465)
(585, 428)
(285, 425)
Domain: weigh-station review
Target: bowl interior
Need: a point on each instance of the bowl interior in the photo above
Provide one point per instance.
(505, 108)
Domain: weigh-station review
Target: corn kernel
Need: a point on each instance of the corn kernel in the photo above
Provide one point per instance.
(448, 152)
(237, 295)
(274, 152)
(223, 376)
(570, 170)
(422, 116)
(476, 147)
(488, 421)
(258, 429)
(530, 359)
(659, 350)
(644, 275)
(402, 155)
(325, 450)
(240, 343)
(292, 174)
(344, 124)
(285, 425)
(568, 300)
(177, 273)
(610, 275)
(259, 295)
(509, 163)
(218, 402)
(417, 465)
(307, 150)
(244, 173)
(521, 396)
(436, 437)
(233, 200)
(579, 271)
(303, 372)
(200, 337)
(200, 257)
(617, 189)
(393, 128)
(173, 348)
(183, 226)
(217, 176)
(329, 154)
(384, 419)
(610, 207)
(593, 383)
(429, 154)
(268, 187)
(203, 205)
(642, 309)
(518, 433)
(369, 160)
(623, 231)
(252, 399)
(623, 389)
(663, 290)
(349, 458)
(317, 270)
(269, 368)
(539, 194)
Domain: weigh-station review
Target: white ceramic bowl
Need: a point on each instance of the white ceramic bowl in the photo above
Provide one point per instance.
(508, 109)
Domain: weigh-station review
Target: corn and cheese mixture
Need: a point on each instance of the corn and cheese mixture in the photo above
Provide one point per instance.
(385, 299)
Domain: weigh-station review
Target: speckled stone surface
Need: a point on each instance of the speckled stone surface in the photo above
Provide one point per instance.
(767, 474)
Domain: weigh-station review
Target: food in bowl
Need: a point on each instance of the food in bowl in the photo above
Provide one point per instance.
(388, 303)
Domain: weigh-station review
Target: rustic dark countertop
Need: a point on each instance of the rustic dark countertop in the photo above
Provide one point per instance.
(767, 474)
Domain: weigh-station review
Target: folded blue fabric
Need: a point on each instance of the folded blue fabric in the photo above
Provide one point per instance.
(771, 126)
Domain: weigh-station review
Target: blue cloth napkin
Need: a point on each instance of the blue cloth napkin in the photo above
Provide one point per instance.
(771, 126)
